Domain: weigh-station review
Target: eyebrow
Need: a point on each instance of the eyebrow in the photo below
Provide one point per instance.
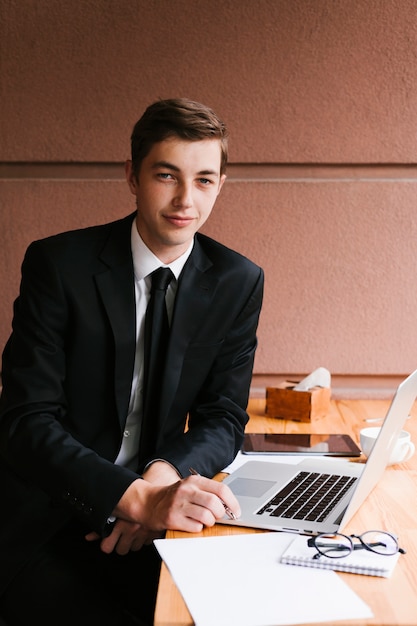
(174, 168)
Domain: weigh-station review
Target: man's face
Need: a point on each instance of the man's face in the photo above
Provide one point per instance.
(176, 188)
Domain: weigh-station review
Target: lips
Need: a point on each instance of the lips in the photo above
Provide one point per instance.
(179, 221)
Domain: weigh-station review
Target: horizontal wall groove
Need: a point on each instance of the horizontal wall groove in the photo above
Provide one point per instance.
(343, 386)
(236, 172)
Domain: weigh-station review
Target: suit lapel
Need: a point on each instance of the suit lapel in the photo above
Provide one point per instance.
(117, 290)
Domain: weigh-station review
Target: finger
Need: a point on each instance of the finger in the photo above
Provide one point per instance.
(132, 542)
(203, 507)
(125, 545)
(222, 502)
(229, 500)
(108, 544)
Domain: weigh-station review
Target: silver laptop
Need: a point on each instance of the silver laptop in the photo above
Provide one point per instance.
(320, 495)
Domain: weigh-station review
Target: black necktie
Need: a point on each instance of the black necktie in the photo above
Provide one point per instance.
(156, 337)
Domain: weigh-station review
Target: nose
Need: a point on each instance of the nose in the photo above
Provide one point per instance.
(184, 197)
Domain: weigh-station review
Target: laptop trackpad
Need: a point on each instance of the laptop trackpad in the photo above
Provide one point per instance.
(250, 487)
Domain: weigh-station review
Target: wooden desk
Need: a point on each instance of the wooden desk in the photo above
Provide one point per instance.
(391, 506)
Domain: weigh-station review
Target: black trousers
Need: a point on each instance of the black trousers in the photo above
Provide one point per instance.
(70, 582)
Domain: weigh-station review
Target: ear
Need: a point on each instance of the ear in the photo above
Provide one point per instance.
(130, 177)
(222, 179)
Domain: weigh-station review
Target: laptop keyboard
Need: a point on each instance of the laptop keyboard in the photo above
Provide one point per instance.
(309, 496)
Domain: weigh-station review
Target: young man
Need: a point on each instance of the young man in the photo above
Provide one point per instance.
(82, 496)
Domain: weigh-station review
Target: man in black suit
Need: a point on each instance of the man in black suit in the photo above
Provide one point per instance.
(82, 498)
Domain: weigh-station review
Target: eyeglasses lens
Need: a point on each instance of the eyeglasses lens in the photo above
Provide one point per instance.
(333, 546)
(380, 542)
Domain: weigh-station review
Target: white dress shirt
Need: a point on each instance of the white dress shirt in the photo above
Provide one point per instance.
(144, 262)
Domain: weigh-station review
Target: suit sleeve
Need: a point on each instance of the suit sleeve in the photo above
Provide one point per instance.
(47, 447)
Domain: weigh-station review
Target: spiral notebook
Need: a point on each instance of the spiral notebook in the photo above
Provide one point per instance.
(359, 562)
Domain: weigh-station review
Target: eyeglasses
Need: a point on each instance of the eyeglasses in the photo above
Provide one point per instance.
(336, 546)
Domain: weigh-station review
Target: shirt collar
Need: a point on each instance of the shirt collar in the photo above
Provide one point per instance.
(145, 262)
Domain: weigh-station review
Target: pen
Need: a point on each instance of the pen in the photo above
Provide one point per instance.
(229, 512)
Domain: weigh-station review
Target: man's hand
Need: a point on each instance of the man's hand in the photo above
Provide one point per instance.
(125, 537)
(187, 504)
(147, 509)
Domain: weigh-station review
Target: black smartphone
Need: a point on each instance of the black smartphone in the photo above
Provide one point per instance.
(299, 443)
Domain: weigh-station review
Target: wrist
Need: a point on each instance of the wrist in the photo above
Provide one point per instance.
(161, 472)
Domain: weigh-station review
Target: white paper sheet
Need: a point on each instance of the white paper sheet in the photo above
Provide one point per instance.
(238, 579)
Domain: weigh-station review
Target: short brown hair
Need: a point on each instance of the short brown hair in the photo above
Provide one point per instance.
(176, 117)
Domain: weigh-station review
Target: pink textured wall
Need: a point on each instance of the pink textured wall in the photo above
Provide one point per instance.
(320, 97)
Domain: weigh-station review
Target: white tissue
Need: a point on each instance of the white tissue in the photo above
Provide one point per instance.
(319, 378)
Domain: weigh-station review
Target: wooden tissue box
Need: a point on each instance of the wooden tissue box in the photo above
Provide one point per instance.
(301, 406)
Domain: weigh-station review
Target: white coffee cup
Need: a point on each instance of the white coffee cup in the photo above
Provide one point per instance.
(403, 449)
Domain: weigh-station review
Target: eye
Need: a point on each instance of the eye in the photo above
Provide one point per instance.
(165, 175)
(205, 181)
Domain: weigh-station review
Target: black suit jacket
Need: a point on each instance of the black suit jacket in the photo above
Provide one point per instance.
(67, 371)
